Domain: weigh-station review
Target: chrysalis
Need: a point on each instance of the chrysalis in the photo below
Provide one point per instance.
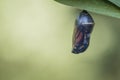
(82, 31)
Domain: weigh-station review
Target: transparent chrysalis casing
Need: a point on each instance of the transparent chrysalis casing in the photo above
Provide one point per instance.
(81, 36)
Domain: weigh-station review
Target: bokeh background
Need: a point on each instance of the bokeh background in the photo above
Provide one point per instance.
(36, 43)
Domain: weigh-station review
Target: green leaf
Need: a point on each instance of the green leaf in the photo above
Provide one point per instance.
(116, 2)
(97, 6)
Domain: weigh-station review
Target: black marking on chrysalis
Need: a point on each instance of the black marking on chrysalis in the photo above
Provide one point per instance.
(83, 28)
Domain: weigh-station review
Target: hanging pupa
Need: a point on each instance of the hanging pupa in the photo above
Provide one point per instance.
(83, 27)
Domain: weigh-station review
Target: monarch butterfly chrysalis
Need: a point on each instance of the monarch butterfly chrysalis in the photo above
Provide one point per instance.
(82, 31)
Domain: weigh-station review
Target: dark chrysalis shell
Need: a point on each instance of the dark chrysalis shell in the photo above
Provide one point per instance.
(83, 28)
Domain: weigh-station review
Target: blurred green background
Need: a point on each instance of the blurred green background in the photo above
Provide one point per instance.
(36, 42)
